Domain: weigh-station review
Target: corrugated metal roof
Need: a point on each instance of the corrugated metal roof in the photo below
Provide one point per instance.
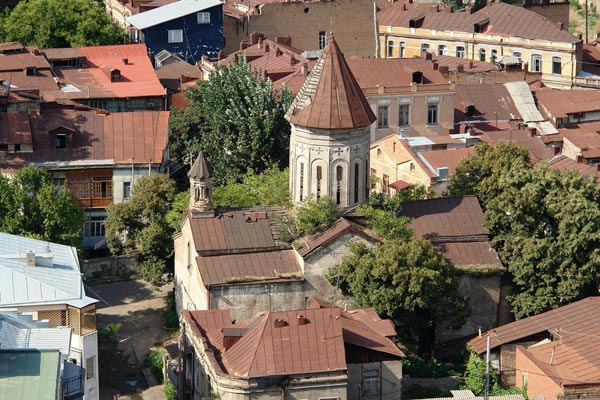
(170, 12)
(338, 228)
(523, 99)
(578, 317)
(469, 253)
(17, 333)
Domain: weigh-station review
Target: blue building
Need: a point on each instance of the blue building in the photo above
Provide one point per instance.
(188, 29)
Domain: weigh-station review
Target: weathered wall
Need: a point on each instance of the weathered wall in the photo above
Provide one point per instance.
(530, 375)
(351, 21)
(390, 380)
(190, 293)
(483, 298)
(105, 267)
(247, 300)
(557, 12)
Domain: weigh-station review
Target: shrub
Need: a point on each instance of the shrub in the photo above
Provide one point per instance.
(154, 361)
(424, 392)
(170, 312)
(315, 214)
(151, 269)
(169, 390)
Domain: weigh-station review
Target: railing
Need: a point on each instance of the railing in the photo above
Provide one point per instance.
(73, 387)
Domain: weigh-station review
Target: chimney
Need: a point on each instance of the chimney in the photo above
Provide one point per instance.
(255, 37)
(404, 8)
(428, 55)
(436, 66)
(302, 320)
(125, 61)
(266, 47)
(293, 60)
(579, 158)
(304, 69)
(278, 52)
(444, 70)
(220, 55)
(471, 64)
(231, 336)
(279, 323)
(460, 68)
(31, 258)
(533, 132)
(284, 40)
(244, 45)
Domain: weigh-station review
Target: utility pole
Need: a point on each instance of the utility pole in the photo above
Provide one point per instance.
(486, 395)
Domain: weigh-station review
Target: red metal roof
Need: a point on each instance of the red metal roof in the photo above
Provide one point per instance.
(15, 128)
(562, 162)
(579, 317)
(469, 253)
(392, 72)
(20, 61)
(330, 97)
(560, 103)
(449, 158)
(338, 228)
(537, 149)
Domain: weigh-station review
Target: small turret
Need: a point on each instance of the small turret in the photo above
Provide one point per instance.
(201, 177)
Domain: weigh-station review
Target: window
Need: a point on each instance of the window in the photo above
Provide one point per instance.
(89, 367)
(17, 147)
(517, 54)
(126, 190)
(203, 18)
(94, 227)
(379, 154)
(424, 47)
(385, 184)
(301, 181)
(394, 147)
(79, 187)
(322, 40)
(556, 65)
(101, 187)
(382, 116)
(367, 180)
(370, 383)
(401, 48)
(403, 115)
(481, 54)
(175, 36)
(442, 50)
(494, 55)
(390, 48)
(460, 51)
(536, 63)
(319, 178)
(188, 261)
(432, 114)
(60, 141)
(338, 189)
(356, 172)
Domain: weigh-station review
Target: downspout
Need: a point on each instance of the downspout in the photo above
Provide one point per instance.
(376, 23)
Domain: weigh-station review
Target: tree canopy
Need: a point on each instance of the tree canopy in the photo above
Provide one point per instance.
(30, 205)
(141, 226)
(237, 119)
(57, 23)
(270, 188)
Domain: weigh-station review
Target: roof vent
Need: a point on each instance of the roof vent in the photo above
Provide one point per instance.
(302, 320)
(126, 61)
(280, 323)
(31, 258)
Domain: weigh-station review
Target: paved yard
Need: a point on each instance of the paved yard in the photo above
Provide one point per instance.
(138, 307)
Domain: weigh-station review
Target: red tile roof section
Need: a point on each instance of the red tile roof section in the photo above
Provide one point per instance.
(579, 317)
(331, 97)
(488, 99)
(218, 269)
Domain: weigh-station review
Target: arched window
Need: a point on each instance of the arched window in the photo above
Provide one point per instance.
(401, 48)
(481, 54)
(390, 48)
(367, 183)
(301, 181)
(319, 177)
(356, 186)
(338, 189)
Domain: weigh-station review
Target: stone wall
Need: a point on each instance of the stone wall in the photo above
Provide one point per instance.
(108, 267)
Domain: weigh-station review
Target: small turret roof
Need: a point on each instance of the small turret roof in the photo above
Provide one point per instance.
(201, 168)
(331, 98)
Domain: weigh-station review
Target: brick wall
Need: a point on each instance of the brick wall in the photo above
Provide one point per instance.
(537, 382)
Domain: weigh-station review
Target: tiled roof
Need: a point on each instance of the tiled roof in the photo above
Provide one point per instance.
(268, 348)
(504, 19)
(449, 158)
(126, 137)
(338, 228)
(579, 317)
(560, 103)
(277, 264)
(392, 72)
(488, 99)
(232, 230)
(537, 149)
(10, 46)
(330, 98)
(43, 80)
(446, 217)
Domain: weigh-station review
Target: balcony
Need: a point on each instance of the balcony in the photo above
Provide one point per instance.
(73, 384)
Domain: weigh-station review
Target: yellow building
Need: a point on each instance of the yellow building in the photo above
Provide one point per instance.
(500, 32)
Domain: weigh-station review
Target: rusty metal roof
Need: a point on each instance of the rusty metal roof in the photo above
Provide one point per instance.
(232, 230)
(469, 253)
(561, 103)
(65, 53)
(331, 97)
(449, 158)
(20, 61)
(446, 217)
(291, 342)
(392, 72)
(15, 128)
(338, 228)
(562, 162)
(537, 149)
(265, 265)
(491, 102)
(580, 317)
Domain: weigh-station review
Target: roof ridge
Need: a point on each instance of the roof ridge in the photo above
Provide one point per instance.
(262, 333)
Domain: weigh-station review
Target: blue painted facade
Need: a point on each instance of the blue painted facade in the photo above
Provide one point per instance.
(198, 39)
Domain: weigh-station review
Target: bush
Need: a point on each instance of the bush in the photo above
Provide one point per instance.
(170, 312)
(315, 214)
(154, 361)
(169, 390)
(151, 269)
(416, 367)
(424, 392)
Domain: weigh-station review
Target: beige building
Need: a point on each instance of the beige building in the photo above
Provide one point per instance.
(508, 34)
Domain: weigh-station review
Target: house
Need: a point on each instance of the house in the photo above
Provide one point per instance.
(189, 29)
(554, 352)
(97, 156)
(313, 353)
(307, 24)
(561, 162)
(525, 138)
(500, 32)
(43, 281)
(398, 161)
(567, 108)
(455, 226)
(35, 360)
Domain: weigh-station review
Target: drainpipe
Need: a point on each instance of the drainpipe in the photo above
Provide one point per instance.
(376, 23)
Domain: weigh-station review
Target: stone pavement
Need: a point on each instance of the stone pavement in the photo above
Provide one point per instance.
(138, 307)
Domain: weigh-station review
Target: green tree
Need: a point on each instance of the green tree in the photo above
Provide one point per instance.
(270, 188)
(408, 281)
(238, 120)
(546, 227)
(394, 203)
(180, 205)
(385, 223)
(30, 205)
(315, 214)
(479, 173)
(58, 23)
(140, 225)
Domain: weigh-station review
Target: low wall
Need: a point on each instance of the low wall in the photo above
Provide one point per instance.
(446, 383)
(108, 267)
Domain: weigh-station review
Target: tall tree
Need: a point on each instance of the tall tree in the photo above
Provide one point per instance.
(58, 23)
(31, 205)
(238, 120)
